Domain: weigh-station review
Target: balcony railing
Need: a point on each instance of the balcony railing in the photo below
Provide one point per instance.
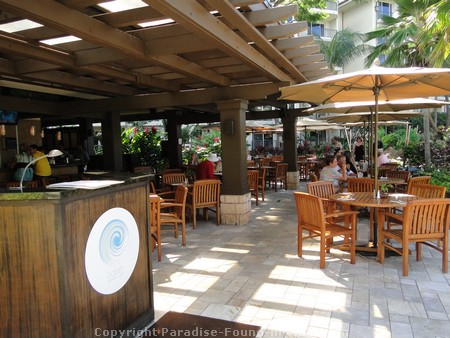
(322, 32)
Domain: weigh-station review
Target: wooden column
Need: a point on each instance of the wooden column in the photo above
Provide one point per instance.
(112, 143)
(174, 140)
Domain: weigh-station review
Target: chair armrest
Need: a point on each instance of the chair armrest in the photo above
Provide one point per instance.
(341, 213)
(170, 204)
(389, 215)
(166, 193)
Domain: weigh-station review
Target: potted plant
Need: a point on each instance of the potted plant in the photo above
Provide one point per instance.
(384, 189)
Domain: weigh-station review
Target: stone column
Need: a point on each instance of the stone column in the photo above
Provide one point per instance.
(235, 196)
(290, 150)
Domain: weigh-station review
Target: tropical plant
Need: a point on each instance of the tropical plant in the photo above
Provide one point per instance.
(437, 23)
(400, 36)
(146, 142)
(343, 47)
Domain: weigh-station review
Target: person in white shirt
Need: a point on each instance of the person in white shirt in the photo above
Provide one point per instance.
(382, 158)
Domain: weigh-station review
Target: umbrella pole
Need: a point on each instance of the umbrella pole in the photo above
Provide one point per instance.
(376, 91)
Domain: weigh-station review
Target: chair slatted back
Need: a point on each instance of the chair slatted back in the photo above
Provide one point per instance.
(265, 162)
(427, 218)
(253, 183)
(250, 163)
(281, 171)
(428, 191)
(180, 198)
(170, 178)
(310, 212)
(155, 221)
(398, 174)
(362, 184)
(206, 193)
(171, 171)
(252, 179)
(143, 169)
(277, 158)
(391, 166)
(417, 180)
(322, 189)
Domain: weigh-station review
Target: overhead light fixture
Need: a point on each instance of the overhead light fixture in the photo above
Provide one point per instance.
(32, 130)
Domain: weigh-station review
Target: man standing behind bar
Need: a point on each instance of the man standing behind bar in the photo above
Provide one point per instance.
(42, 167)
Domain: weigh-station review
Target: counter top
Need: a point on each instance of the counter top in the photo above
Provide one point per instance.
(55, 194)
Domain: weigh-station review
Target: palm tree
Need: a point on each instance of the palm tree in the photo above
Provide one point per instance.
(415, 38)
(343, 47)
(437, 32)
(397, 38)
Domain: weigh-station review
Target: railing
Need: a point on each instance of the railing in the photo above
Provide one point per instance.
(322, 32)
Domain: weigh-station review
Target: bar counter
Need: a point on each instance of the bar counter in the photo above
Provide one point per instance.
(50, 283)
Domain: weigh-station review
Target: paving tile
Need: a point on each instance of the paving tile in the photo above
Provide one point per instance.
(252, 274)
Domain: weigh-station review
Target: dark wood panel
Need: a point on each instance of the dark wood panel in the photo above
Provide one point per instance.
(28, 278)
(44, 286)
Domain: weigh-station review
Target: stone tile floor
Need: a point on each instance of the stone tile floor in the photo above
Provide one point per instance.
(252, 274)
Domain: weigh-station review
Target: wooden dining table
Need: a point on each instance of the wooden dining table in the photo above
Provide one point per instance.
(367, 199)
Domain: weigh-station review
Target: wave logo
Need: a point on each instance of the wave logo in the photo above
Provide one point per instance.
(113, 241)
(112, 250)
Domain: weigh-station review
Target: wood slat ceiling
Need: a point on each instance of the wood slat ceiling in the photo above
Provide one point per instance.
(213, 50)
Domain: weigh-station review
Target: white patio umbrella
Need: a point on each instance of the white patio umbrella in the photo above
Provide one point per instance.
(376, 83)
(367, 106)
(366, 117)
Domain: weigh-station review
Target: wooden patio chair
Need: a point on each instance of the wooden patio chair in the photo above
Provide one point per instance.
(279, 175)
(205, 194)
(155, 223)
(423, 221)
(360, 184)
(262, 181)
(323, 190)
(428, 190)
(390, 166)
(253, 183)
(311, 217)
(399, 174)
(172, 178)
(143, 169)
(417, 180)
(171, 171)
(174, 213)
(265, 161)
(250, 163)
(363, 184)
(277, 158)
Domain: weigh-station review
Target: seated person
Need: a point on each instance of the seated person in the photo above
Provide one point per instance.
(330, 172)
(205, 169)
(42, 167)
(351, 166)
(382, 158)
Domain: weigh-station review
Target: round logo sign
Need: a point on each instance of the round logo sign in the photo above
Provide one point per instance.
(111, 251)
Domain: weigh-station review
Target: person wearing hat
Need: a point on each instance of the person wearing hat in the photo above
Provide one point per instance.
(205, 169)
